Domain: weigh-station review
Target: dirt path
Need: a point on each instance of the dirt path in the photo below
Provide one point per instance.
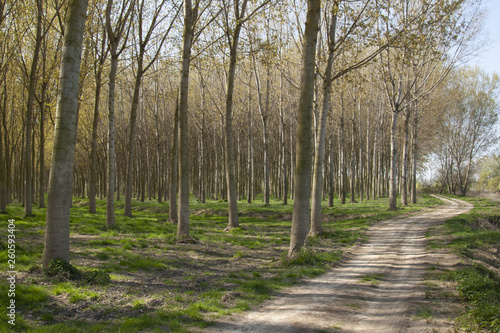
(372, 291)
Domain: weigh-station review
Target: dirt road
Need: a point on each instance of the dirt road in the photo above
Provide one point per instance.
(372, 291)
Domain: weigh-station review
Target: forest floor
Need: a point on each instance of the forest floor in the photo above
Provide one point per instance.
(370, 269)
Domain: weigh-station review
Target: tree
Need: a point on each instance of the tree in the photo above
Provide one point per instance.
(238, 17)
(61, 170)
(145, 34)
(115, 35)
(469, 126)
(300, 218)
(101, 50)
(28, 190)
(190, 17)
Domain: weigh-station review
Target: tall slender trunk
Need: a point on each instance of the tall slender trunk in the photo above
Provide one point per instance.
(59, 197)
(264, 109)
(353, 160)
(132, 128)
(3, 187)
(414, 158)
(301, 214)
(361, 169)
(93, 149)
(404, 175)
(319, 153)
(228, 131)
(250, 166)
(342, 166)
(283, 145)
(41, 147)
(28, 194)
(110, 198)
(393, 162)
(172, 209)
(183, 213)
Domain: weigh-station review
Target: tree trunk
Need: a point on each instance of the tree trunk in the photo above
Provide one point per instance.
(228, 131)
(414, 159)
(353, 159)
(41, 147)
(250, 166)
(404, 175)
(59, 196)
(93, 149)
(3, 187)
(183, 217)
(127, 209)
(28, 194)
(172, 209)
(283, 145)
(331, 180)
(342, 166)
(301, 213)
(361, 170)
(393, 165)
(319, 153)
(110, 198)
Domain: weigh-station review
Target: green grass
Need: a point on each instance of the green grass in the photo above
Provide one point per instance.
(158, 285)
(372, 279)
(478, 288)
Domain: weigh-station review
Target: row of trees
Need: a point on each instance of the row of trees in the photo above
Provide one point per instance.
(283, 98)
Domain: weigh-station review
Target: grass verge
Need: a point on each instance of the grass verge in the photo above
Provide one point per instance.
(475, 237)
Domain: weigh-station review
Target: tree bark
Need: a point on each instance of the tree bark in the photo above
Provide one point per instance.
(174, 163)
(414, 158)
(183, 218)
(28, 194)
(93, 149)
(59, 196)
(319, 153)
(228, 131)
(404, 175)
(301, 213)
(393, 162)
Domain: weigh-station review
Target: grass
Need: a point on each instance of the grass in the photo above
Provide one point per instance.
(478, 288)
(373, 279)
(158, 285)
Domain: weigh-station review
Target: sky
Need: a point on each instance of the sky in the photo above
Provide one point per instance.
(489, 59)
